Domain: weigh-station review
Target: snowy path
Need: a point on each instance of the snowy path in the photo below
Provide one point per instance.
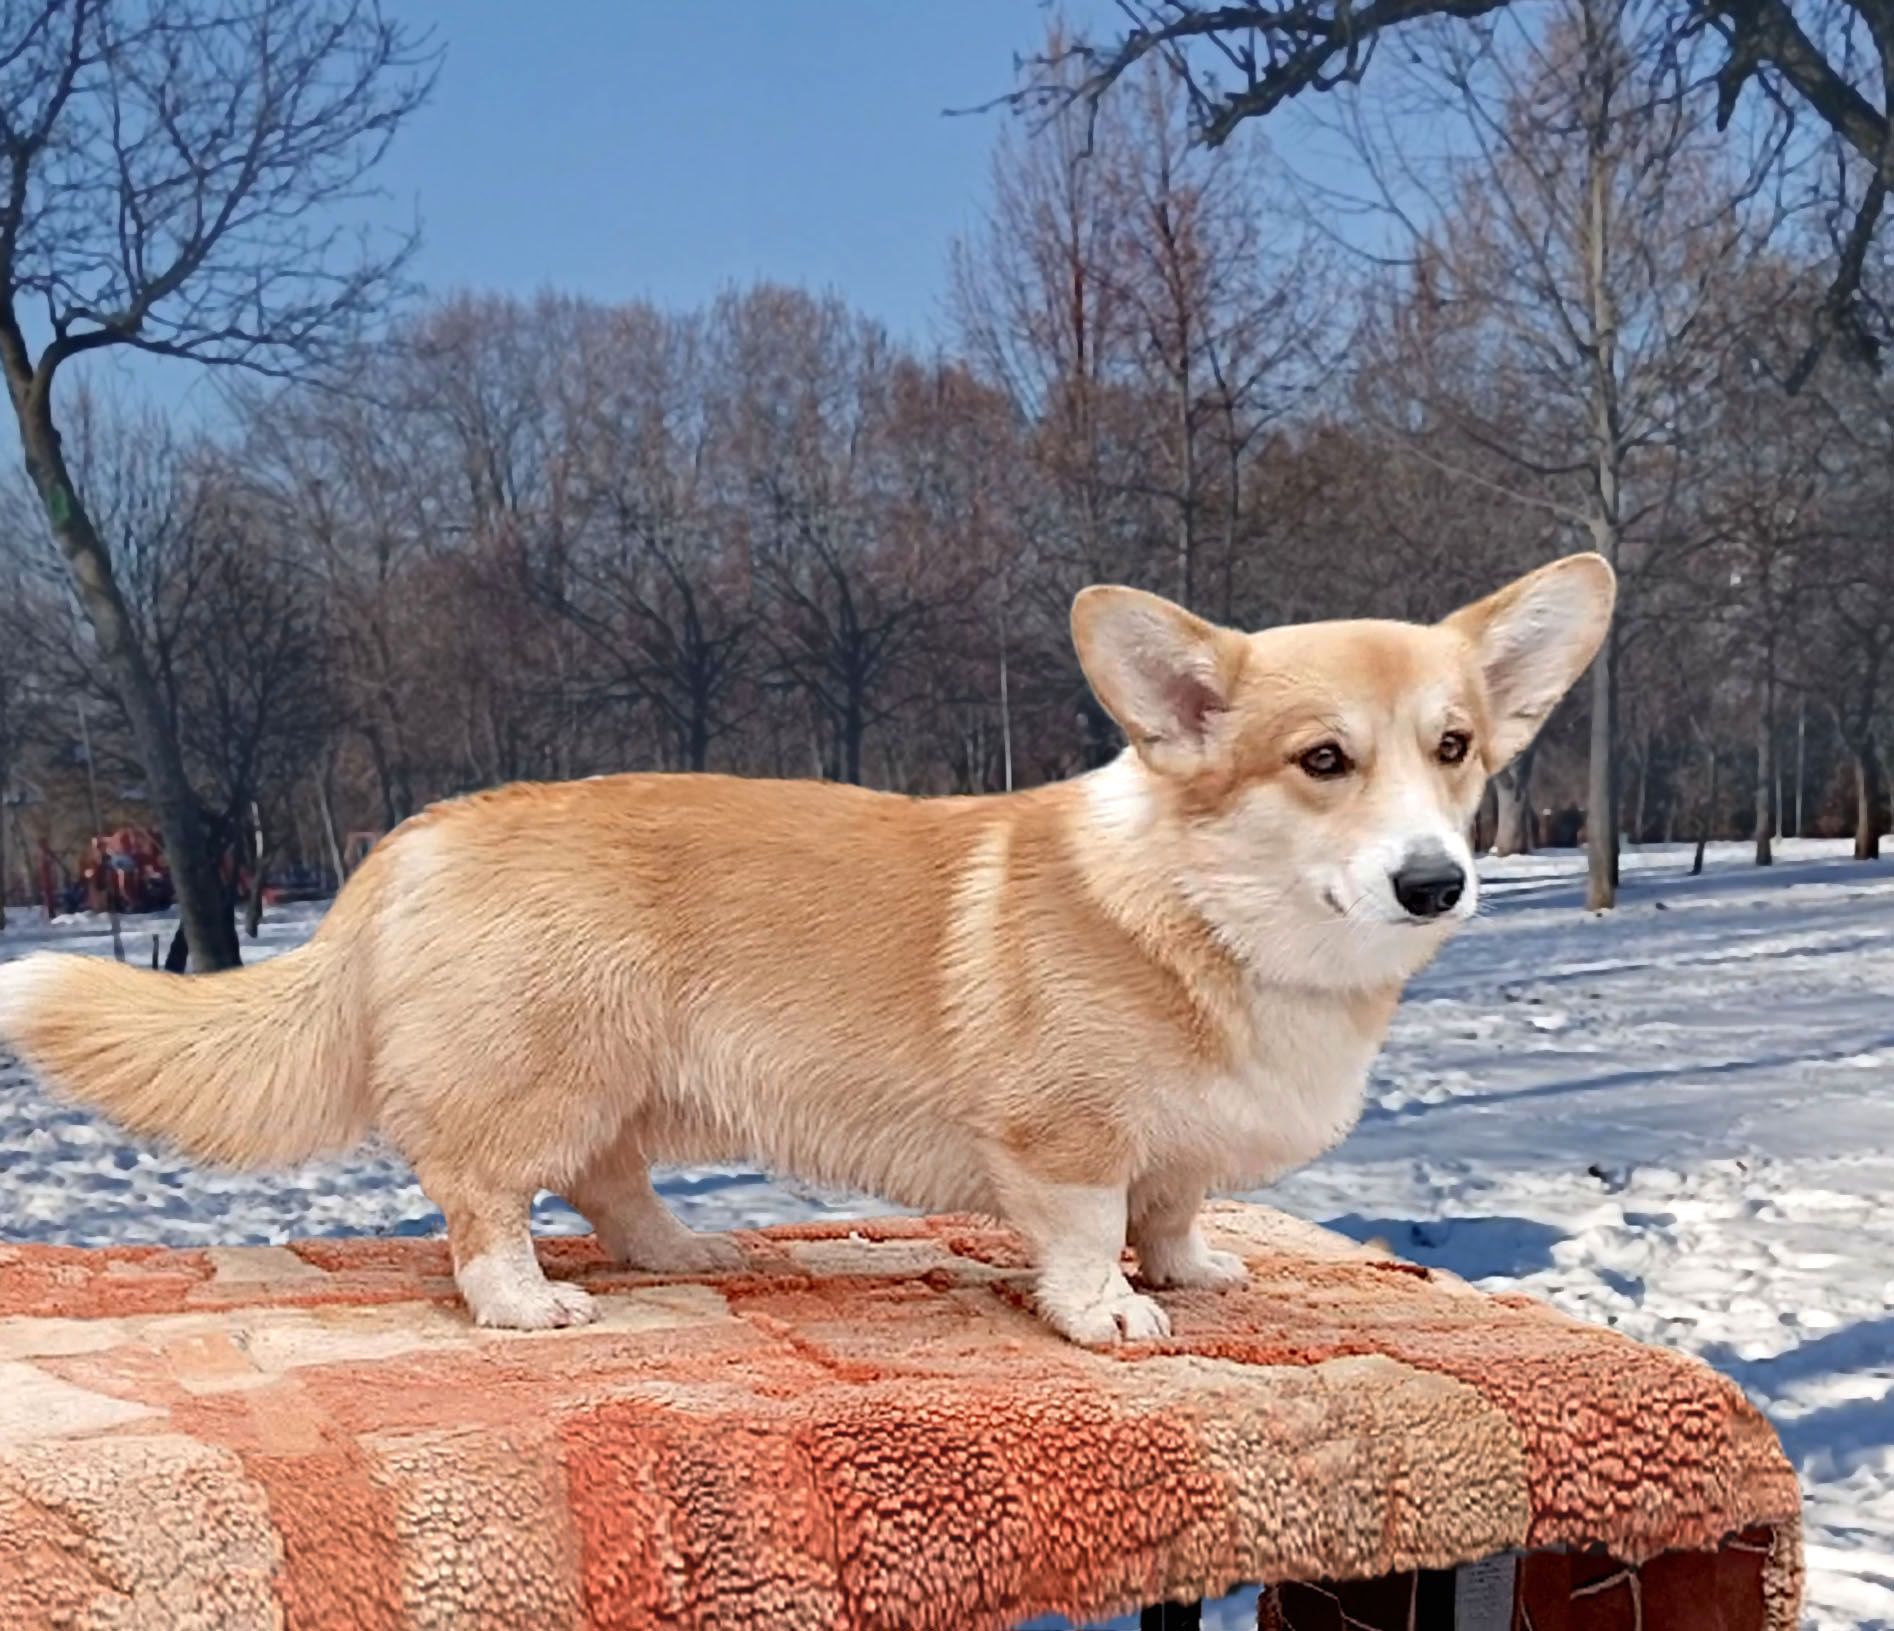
(1677, 1119)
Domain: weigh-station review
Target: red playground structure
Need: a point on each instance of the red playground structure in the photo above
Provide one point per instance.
(125, 871)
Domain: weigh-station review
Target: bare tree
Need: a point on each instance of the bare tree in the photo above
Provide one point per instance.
(1847, 656)
(1239, 62)
(493, 415)
(164, 165)
(10, 709)
(233, 637)
(255, 703)
(1214, 292)
(1039, 300)
(1039, 308)
(1570, 294)
(1763, 508)
(660, 597)
(352, 479)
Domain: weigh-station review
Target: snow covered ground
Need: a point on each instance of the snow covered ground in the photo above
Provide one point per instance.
(1677, 1119)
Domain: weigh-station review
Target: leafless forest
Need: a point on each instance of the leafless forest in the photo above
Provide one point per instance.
(440, 543)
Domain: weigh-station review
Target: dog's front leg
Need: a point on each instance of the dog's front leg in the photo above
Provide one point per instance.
(1168, 1238)
(1077, 1233)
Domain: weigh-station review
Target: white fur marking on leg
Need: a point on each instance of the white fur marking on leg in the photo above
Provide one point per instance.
(1082, 1292)
(1187, 1259)
(505, 1288)
(1096, 1306)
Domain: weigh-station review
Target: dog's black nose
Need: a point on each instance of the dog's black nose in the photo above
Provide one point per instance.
(1429, 884)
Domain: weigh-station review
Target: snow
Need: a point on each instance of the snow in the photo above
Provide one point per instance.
(1676, 1118)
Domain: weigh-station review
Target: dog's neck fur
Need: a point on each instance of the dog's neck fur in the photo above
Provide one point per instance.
(1227, 981)
(1280, 1068)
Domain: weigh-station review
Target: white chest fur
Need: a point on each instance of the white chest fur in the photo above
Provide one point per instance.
(1297, 1093)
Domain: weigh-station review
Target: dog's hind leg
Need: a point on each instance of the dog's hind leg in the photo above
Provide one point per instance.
(489, 1229)
(636, 1228)
(1166, 1235)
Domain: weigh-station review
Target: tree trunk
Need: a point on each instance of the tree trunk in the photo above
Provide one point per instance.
(1867, 801)
(1782, 799)
(1766, 768)
(1616, 769)
(1512, 810)
(384, 778)
(326, 809)
(25, 847)
(1601, 795)
(1801, 760)
(697, 747)
(253, 908)
(854, 728)
(6, 781)
(1232, 511)
(1607, 440)
(298, 835)
(1006, 698)
(201, 909)
(253, 911)
(220, 846)
(1187, 490)
(1643, 791)
(1709, 809)
(107, 879)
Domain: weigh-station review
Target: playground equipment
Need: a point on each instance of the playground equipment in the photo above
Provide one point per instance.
(867, 1429)
(125, 871)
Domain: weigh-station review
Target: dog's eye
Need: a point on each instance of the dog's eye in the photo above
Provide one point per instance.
(1324, 763)
(1453, 747)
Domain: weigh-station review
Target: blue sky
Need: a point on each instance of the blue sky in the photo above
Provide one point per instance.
(646, 148)
(651, 148)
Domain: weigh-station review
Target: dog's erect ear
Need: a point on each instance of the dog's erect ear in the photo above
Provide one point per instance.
(1167, 677)
(1533, 639)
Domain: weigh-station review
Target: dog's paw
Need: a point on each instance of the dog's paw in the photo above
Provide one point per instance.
(691, 1253)
(549, 1306)
(1190, 1264)
(1119, 1315)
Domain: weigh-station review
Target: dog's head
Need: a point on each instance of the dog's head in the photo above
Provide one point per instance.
(1311, 788)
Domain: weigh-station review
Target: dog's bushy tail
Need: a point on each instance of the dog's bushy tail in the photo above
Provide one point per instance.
(260, 1066)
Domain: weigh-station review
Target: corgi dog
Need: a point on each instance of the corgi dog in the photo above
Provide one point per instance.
(1080, 1008)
